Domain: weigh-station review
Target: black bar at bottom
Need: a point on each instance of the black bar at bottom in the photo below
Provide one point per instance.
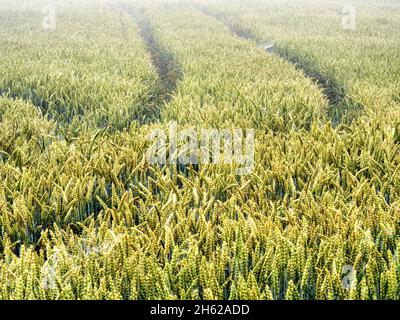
(196, 309)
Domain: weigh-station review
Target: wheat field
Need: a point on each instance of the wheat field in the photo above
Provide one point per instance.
(85, 215)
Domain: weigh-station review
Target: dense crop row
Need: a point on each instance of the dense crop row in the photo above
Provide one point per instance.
(90, 218)
(361, 64)
(84, 75)
(229, 82)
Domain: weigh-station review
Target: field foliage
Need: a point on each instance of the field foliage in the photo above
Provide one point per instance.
(83, 215)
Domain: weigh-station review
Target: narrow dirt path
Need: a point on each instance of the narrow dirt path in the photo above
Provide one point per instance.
(341, 107)
(168, 69)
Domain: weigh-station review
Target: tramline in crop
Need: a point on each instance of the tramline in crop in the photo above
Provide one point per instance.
(86, 214)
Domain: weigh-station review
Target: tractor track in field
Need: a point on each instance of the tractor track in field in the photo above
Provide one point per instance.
(341, 107)
(168, 70)
(31, 98)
